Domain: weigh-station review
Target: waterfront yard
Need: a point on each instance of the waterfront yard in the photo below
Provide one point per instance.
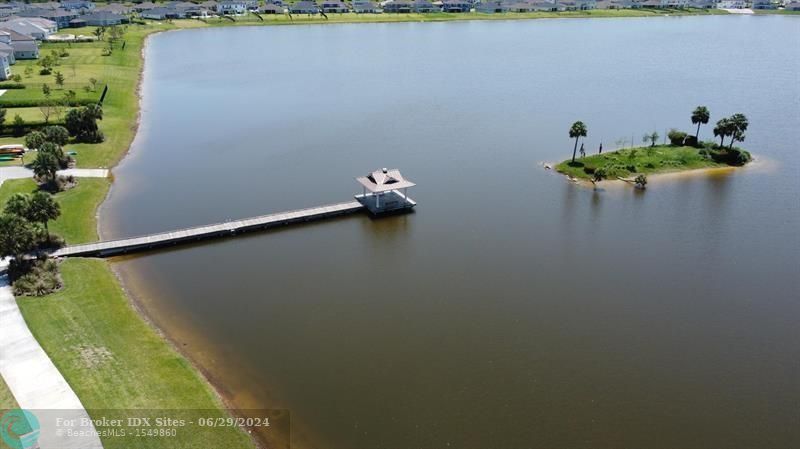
(77, 222)
(644, 160)
(115, 360)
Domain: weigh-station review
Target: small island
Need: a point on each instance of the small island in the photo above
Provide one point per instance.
(683, 152)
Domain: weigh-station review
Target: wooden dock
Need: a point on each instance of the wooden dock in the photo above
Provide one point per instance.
(129, 245)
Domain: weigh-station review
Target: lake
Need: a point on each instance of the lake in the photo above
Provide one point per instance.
(512, 309)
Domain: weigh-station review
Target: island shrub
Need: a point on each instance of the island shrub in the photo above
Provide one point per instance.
(732, 156)
(676, 137)
(691, 141)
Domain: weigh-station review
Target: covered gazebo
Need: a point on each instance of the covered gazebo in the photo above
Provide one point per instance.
(384, 191)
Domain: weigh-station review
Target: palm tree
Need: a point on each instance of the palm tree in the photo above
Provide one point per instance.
(738, 125)
(577, 131)
(43, 208)
(722, 129)
(45, 166)
(700, 116)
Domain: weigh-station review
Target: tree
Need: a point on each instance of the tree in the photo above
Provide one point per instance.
(59, 79)
(651, 137)
(700, 116)
(17, 205)
(93, 83)
(82, 123)
(48, 108)
(46, 90)
(69, 97)
(722, 129)
(34, 140)
(577, 131)
(56, 151)
(42, 208)
(2, 117)
(55, 134)
(45, 166)
(19, 125)
(17, 237)
(46, 63)
(738, 125)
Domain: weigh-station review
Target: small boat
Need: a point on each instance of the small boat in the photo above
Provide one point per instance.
(12, 149)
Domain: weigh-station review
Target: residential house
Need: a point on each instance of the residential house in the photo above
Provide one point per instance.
(5, 64)
(424, 6)
(304, 7)
(793, 6)
(228, 7)
(365, 7)
(8, 9)
(332, 6)
(77, 4)
(104, 18)
(702, 4)
(35, 27)
(24, 46)
(60, 16)
(732, 4)
(271, 8)
(116, 8)
(144, 6)
(456, 6)
(491, 7)
(674, 4)
(763, 4)
(159, 14)
(545, 6)
(398, 6)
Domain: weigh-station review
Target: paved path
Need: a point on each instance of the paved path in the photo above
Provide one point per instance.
(33, 379)
(22, 173)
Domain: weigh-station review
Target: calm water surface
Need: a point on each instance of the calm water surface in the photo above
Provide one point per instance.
(512, 309)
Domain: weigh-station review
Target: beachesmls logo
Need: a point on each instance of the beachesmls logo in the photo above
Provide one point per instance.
(19, 429)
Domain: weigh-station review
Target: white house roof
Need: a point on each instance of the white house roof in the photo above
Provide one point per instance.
(384, 180)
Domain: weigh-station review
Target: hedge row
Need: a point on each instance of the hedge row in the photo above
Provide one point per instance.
(36, 102)
(12, 86)
(8, 129)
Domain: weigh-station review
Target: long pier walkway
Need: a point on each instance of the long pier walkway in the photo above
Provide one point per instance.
(129, 245)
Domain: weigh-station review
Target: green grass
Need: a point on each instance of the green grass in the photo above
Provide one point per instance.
(77, 222)
(645, 160)
(114, 360)
(7, 400)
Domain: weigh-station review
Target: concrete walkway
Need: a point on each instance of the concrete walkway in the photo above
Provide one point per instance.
(35, 382)
(22, 173)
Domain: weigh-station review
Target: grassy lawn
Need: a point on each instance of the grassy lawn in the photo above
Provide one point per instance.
(647, 160)
(7, 400)
(77, 222)
(114, 360)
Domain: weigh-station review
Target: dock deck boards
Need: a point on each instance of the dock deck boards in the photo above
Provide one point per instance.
(133, 244)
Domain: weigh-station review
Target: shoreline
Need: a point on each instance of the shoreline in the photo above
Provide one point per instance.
(214, 384)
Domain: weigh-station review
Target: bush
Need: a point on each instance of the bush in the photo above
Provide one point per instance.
(18, 126)
(641, 181)
(34, 140)
(589, 170)
(690, 141)
(12, 86)
(56, 134)
(631, 168)
(676, 137)
(37, 279)
(734, 156)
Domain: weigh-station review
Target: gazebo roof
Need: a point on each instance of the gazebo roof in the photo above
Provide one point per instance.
(384, 180)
